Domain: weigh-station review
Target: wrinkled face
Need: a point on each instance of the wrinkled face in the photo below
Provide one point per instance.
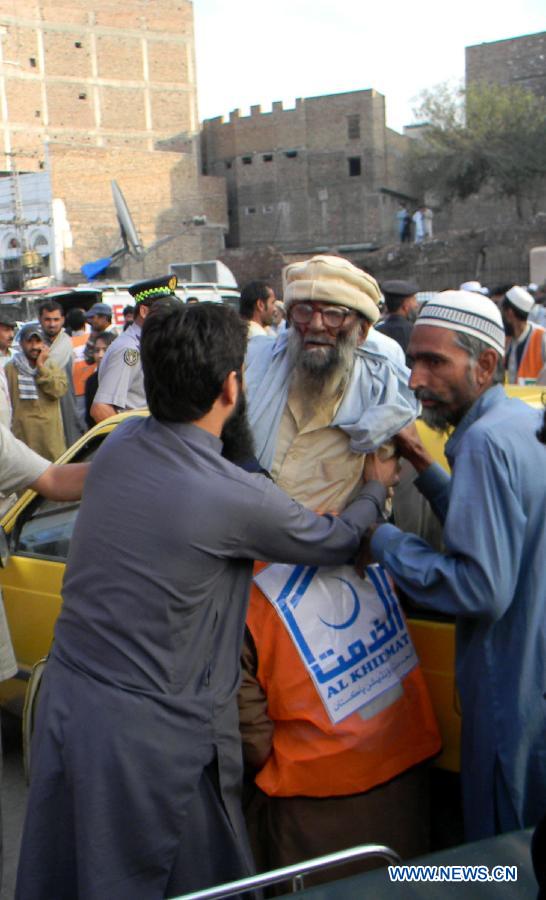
(52, 322)
(6, 337)
(442, 376)
(32, 347)
(322, 341)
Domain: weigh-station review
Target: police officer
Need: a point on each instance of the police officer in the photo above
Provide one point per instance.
(121, 383)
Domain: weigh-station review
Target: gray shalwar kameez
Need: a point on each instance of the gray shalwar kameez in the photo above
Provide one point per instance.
(136, 754)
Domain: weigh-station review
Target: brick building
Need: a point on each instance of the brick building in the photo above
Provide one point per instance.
(110, 90)
(519, 60)
(327, 172)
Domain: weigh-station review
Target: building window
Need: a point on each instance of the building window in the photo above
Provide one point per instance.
(250, 210)
(78, 45)
(291, 154)
(267, 210)
(267, 157)
(82, 96)
(247, 160)
(32, 62)
(355, 165)
(36, 113)
(228, 164)
(353, 127)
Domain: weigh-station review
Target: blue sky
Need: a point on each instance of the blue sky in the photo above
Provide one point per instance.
(251, 51)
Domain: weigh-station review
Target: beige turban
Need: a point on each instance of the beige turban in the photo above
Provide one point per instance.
(332, 279)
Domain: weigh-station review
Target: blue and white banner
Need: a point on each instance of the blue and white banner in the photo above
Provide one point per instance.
(350, 632)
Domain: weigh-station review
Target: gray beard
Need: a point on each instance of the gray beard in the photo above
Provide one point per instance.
(435, 420)
(322, 372)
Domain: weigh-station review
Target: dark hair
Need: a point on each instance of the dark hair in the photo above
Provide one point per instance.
(49, 306)
(187, 352)
(129, 308)
(393, 302)
(106, 336)
(251, 293)
(522, 316)
(75, 319)
(499, 289)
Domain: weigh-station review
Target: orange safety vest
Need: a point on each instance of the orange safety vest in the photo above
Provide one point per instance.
(81, 370)
(532, 360)
(311, 756)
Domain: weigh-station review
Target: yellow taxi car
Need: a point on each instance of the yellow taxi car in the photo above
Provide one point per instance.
(38, 533)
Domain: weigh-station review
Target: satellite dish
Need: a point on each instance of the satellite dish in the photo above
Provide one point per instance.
(129, 233)
(132, 244)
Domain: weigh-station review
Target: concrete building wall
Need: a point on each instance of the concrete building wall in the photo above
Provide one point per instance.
(327, 172)
(518, 60)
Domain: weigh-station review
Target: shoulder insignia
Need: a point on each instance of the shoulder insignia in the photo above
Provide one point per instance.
(131, 357)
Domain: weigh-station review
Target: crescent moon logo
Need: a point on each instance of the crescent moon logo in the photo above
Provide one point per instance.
(354, 614)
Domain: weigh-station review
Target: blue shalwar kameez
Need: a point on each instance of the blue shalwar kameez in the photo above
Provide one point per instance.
(492, 577)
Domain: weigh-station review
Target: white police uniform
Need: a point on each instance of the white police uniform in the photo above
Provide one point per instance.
(121, 382)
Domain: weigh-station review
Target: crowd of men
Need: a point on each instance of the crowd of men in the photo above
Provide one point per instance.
(247, 526)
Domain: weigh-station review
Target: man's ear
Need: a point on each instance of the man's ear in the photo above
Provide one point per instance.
(230, 389)
(363, 328)
(486, 366)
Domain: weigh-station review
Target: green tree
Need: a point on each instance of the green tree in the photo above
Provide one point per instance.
(487, 135)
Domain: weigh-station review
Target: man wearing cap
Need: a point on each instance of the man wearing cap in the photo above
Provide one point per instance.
(526, 353)
(99, 317)
(491, 575)
(402, 306)
(319, 401)
(35, 386)
(121, 383)
(61, 353)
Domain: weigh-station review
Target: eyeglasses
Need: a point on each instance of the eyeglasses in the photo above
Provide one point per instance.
(332, 316)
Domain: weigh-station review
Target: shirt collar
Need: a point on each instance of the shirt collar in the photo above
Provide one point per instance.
(194, 434)
(483, 404)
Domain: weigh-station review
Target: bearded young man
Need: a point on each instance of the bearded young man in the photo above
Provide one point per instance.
(61, 353)
(491, 575)
(136, 756)
(320, 399)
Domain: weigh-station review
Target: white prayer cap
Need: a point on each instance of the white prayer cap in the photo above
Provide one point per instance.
(520, 298)
(465, 312)
(334, 280)
(473, 286)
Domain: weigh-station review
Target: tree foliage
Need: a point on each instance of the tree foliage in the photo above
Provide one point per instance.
(487, 135)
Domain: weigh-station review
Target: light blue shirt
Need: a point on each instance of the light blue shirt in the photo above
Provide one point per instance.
(492, 577)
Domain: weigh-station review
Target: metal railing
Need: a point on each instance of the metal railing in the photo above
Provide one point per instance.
(297, 872)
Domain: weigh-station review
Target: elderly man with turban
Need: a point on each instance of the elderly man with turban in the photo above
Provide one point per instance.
(491, 575)
(327, 392)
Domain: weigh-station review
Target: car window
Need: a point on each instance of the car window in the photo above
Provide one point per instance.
(45, 527)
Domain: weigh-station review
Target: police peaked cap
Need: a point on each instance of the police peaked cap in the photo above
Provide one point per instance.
(153, 289)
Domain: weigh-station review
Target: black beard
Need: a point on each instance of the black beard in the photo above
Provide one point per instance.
(237, 436)
(541, 434)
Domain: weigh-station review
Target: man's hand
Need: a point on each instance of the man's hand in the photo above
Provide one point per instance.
(364, 556)
(378, 468)
(409, 445)
(42, 357)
